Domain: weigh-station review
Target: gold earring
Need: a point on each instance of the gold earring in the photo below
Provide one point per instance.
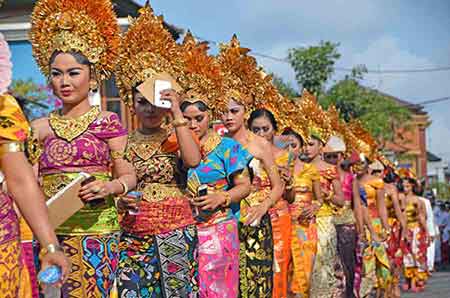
(93, 85)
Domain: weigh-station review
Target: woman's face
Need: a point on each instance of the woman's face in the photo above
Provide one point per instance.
(69, 79)
(313, 148)
(262, 127)
(198, 120)
(407, 186)
(233, 118)
(149, 115)
(295, 146)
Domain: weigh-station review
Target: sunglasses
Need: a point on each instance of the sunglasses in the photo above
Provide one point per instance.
(331, 155)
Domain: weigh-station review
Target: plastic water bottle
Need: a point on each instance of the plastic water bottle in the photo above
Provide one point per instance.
(49, 277)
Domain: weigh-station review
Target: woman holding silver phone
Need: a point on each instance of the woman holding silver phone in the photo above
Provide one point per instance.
(159, 241)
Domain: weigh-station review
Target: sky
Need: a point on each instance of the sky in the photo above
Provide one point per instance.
(382, 34)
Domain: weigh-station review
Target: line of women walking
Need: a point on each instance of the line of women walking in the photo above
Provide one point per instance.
(291, 202)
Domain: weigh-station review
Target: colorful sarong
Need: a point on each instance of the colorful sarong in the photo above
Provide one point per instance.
(9, 249)
(346, 248)
(415, 259)
(94, 261)
(218, 260)
(281, 229)
(328, 278)
(256, 260)
(161, 266)
(304, 249)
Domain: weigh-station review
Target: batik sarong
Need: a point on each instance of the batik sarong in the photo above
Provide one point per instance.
(94, 261)
(328, 279)
(346, 248)
(9, 249)
(159, 266)
(218, 260)
(256, 260)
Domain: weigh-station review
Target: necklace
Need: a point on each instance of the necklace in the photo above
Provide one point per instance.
(70, 128)
(147, 145)
(212, 141)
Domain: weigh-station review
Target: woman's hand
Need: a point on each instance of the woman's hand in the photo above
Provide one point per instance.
(57, 258)
(97, 189)
(209, 202)
(175, 98)
(309, 212)
(125, 204)
(285, 175)
(255, 213)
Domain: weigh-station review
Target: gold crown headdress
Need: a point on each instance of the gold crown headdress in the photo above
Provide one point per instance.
(200, 79)
(365, 143)
(147, 50)
(86, 26)
(317, 122)
(241, 76)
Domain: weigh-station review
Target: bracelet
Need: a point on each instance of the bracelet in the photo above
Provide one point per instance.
(11, 147)
(50, 249)
(227, 199)
(180, 122)
(115, 154)
(124, 186)
(273, 169)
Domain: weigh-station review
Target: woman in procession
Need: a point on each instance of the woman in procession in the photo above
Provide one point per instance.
(257, 234)
(328, 279)
(81, 138)
(219, 181)
(158, 245)
(24, 191)
(415, 258)
(397, 222)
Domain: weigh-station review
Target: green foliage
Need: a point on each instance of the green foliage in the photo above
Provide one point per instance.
(378, 112)
(442, 189)
(29, 91)
(283, 87)
(314, 65)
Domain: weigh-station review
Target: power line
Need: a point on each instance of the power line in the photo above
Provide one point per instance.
(345, 69)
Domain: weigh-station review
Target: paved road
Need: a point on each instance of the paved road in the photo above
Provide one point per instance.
(437, 287)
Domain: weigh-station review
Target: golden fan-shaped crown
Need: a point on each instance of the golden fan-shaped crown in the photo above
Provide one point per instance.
(317, 121)
(147, 49)
(86, 26)
(365, 143)
(242, 80)
(201, 78)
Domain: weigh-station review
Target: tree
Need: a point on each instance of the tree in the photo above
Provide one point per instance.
(283, 87)
(378, 112)
(314, 65)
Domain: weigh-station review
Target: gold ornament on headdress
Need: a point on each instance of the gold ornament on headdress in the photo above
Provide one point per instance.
(242, 79)
(147, 49)
(317, 122)
(86, 26)
(365, 143)
(200, 78)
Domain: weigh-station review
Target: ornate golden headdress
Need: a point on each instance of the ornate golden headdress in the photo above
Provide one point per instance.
(147, 50)
(86, 26)
(365, 143)
(317, 122)
(242, 79)
(200, 79)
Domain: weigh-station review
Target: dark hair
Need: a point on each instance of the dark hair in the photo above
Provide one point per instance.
(346, 164)
(390, 176)
(262, 113)
(199, 104)
(416, 189)
(80, 58)
(290, 132)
